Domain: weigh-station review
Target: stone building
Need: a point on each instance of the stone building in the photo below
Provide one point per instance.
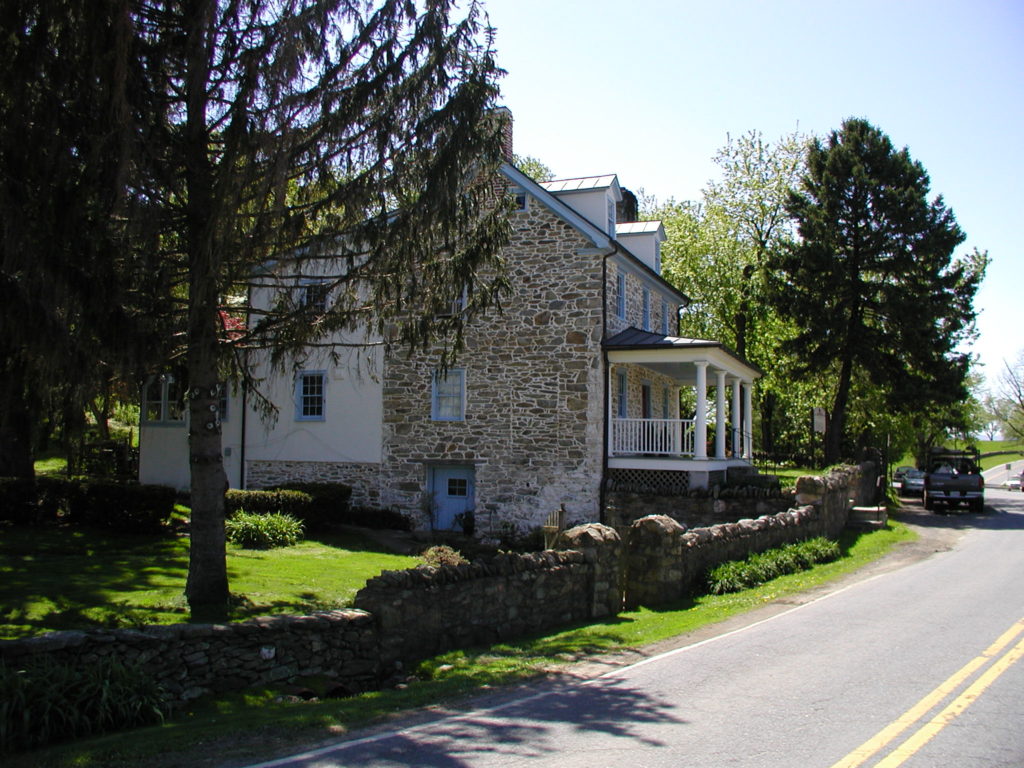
(572, 390)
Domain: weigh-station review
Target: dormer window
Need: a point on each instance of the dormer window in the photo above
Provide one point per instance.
(657, 257)
(611, 217)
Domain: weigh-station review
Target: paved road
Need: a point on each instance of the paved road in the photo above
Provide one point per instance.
(915, 667)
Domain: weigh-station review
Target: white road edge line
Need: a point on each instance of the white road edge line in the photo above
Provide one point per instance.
(482, 713)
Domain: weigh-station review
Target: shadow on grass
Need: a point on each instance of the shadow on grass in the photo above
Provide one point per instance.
(67, 578)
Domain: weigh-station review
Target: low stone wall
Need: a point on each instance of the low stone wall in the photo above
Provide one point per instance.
(428, 610)
(664, 560)
(621, 509)
(190, 660)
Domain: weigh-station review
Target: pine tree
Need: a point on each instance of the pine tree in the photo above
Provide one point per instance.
(872, 283)
(346, 142)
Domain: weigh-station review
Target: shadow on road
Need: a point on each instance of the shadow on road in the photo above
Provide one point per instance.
(521, 730)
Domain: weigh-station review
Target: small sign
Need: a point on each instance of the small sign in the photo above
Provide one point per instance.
(818, 420)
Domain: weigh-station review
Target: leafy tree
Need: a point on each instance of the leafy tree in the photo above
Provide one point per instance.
(750, 199)
(717, 252)
(1009, 407)
(533, 168)
(872, 282)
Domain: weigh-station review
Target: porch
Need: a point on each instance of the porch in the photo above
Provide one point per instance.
(717, 438)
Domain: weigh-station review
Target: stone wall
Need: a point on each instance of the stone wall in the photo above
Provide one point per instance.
(363, 477)
(621, 509)
(665, 560)
(534, 392)
(425, 611)
(190, 660)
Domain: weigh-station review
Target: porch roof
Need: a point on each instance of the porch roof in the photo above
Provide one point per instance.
(676, 356)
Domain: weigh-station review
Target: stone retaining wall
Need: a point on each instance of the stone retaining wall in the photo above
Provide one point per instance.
(425, 611)
(190, 660)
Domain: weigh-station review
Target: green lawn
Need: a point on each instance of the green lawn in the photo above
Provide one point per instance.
(65, 578)
(256, 725)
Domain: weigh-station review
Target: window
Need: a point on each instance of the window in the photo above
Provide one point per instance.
(611, 217)
(315, 295)
(458, 486)
(665, 412)
(623, 404)
(521, 202)
(310, 391)
(646, 406)
(664, 318)
(620, 295)
(647, 309)
(448, 401)
(163, 400)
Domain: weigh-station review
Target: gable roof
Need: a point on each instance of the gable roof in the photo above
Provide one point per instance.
(600, 239)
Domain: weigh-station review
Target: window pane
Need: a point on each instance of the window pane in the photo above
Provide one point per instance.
(311, 396)
(448, 396)
(458, 486)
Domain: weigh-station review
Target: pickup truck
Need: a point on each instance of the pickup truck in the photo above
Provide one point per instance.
(953, 478)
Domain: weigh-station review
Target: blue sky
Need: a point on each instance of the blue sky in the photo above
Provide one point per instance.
(650, 90)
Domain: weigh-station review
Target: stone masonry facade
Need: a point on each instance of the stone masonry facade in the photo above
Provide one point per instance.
(534, 392)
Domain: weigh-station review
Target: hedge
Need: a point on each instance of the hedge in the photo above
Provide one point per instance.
(125, 507)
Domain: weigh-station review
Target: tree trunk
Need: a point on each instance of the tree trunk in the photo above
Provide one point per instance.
(837, 419)
(207, 586)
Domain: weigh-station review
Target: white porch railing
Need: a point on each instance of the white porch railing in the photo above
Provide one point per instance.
(658, 437)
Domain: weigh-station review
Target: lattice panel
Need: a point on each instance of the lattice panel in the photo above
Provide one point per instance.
(651, 481)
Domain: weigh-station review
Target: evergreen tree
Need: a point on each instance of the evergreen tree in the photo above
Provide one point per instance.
(872, 282)
(69, 285)
(346, 143)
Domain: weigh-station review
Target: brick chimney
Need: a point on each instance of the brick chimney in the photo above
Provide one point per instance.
(504, 114)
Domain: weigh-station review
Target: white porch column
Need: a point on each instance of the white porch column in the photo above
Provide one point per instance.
(748, 422)
(611, 411)
(737, 428)
(720, 415)
(700, 426)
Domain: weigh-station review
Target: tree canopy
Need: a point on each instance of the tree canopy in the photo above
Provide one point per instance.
(871, 283)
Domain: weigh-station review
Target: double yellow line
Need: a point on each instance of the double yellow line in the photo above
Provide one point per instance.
(955, 708)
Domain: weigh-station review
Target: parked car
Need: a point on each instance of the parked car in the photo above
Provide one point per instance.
(913, 483)
(1013, 484)
(899, 474)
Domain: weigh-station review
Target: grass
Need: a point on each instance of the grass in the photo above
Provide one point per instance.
(256, 725)
(53, 579)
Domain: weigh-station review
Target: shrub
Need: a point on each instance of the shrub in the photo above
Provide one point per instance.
(329, 504)
(124, 507)
(370, 517)
(442, 554)
(294, 503)
(757, 569)
(44, 702)
(254, 531)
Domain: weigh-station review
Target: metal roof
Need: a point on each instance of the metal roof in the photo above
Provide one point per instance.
(636, 227)
(576, 185)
